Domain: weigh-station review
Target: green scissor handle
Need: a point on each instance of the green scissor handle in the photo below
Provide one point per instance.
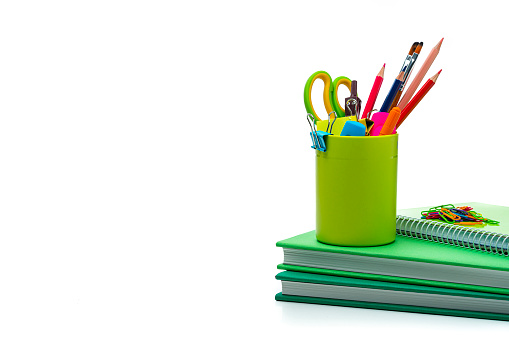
(334, 94)
(330, 97)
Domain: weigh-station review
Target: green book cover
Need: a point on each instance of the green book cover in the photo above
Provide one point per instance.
(391, 307)
(410, 249)
(383, 285)
(373, 285)
(404, 280)
(405, 248)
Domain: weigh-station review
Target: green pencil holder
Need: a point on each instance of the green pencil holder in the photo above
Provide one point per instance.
(356, 185)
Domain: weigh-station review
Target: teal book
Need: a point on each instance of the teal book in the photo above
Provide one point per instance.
(488, 238)
(352, 292)
(407, 260)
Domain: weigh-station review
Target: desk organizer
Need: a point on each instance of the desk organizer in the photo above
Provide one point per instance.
(356, 185)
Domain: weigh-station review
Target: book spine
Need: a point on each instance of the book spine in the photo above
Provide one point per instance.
(473, 238)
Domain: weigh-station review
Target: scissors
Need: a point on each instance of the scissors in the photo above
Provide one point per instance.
(330, 93)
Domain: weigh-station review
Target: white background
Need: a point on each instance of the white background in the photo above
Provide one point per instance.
(153, 152)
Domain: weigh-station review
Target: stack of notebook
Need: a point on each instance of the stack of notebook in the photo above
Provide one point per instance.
(430, 268)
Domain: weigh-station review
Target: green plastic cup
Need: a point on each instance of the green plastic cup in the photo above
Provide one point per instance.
(356, 185)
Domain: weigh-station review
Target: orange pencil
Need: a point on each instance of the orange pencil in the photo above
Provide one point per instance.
(391, 121)
(417, 98)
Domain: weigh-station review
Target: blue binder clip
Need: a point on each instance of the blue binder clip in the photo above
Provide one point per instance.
(317, 136)
(320, 143)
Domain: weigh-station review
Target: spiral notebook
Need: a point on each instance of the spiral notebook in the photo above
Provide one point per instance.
(489, 238)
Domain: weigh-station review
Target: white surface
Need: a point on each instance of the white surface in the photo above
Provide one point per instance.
(149, 147)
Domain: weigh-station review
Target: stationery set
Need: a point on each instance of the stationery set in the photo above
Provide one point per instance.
(446, 260)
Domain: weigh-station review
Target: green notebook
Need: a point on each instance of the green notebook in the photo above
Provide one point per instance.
(407, 260)
(489, 238)
(390, 307)
(341, 291)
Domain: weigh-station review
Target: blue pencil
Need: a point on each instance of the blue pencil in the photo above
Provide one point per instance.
(392, 93)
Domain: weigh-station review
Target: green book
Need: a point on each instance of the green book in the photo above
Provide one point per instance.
(407, 260)
(488, 238)
(342, 291)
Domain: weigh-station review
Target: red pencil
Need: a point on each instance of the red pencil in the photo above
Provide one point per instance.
(374, 93)
(417, 98)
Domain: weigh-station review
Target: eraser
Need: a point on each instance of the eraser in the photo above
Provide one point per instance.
(353, 129)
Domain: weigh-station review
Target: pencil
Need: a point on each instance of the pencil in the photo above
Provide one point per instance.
(417, 98)
(407, 75)
(392, 93)
(420, 75)
(374, 92)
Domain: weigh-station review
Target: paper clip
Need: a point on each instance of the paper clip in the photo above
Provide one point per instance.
(438, 208)
(458, 211)
(469, 223)
(445, 214)
(463, 216)
(316, 136)
(479, 217)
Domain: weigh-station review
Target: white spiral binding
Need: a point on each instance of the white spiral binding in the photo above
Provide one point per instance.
(454, 235)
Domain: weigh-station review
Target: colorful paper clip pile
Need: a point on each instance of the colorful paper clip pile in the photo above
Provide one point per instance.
(464, 216)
